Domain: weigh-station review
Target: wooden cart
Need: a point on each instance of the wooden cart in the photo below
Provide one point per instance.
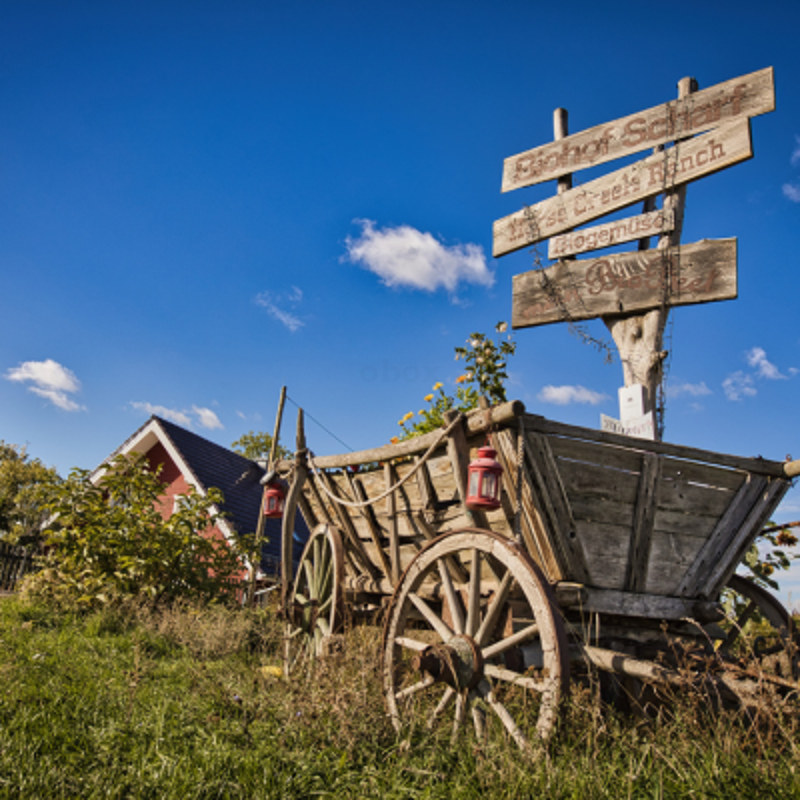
(607, 550)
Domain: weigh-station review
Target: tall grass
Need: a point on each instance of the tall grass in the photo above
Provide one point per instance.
(136, 703)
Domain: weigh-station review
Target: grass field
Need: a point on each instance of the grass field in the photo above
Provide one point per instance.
(130, 703)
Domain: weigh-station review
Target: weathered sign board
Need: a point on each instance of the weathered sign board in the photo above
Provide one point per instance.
(643, 427)
(721, 148)
(617, 232)
(627, 282)
(739, 98)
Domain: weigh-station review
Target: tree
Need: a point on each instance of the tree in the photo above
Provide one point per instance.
(22, 479)
(111, 540)
(255, 445)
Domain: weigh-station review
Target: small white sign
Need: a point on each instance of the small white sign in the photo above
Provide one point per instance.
(641, 427)
(631, 402)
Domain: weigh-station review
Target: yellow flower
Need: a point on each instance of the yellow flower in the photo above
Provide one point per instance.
(394, 440)
(272, 672)
(461, 379)
(421, 412)
(428, 398)
(408, 416)
(437, 386)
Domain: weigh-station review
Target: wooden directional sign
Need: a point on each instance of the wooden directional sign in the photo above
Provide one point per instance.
(626, 282)
(623, 230)
(677, 165)
(739, 98)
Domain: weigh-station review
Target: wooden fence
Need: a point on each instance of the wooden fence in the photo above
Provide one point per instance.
(15, 563)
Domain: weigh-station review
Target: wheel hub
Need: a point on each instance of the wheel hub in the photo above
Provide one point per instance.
(457, 662)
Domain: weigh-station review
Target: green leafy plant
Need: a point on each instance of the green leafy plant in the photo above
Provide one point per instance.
(118, 539)
(770, 553)
(22, 504)
(485, 360)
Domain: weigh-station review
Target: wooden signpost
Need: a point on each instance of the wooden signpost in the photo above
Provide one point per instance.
(625, 282)
(653, 223)
(740, 98)
(709, 153)
(632, 292)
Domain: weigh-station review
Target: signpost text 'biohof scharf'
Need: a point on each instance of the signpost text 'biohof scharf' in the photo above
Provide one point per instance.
(748, 96)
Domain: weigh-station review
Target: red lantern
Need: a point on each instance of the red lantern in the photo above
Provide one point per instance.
(483, 482)
(273, 500)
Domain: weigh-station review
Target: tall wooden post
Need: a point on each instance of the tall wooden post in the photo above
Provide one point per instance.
(640, 337)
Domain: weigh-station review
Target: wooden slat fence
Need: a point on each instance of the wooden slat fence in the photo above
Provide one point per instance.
(15, 563)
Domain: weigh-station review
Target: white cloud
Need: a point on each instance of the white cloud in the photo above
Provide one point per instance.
(757, 357)
(207, 418)
(50, 380)
(270, 301)
(404, 256)
(172, 414)
(693, 389)
(795, 159)
(564, 395)
(738, 385)
(792, 192)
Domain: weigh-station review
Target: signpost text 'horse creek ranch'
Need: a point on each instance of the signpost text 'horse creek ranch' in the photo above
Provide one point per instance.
(723, 147)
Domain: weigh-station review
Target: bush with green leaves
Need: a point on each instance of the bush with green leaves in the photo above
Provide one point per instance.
(486, 360)
(111, 540)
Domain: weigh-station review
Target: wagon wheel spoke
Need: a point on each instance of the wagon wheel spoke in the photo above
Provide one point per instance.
(474, 595)
(415, 688)
(436, 622)
(453, 601)
(444, 702)
(509, 676)
(458, 717)
(511, 641)
(410, 644)
(478, 717)
(505, 717)
(493, 614)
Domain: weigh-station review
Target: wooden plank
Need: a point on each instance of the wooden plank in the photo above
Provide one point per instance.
(720, 542)
(458, 451)
(427, 491)
(704, 272)
(671, 555)
(747, 96)
(596, 482)
(477, 422)
(391, 512)
(759, 466)
(606, 455)
(374, 529)
(745, 536)
(564, 539)
(643, 522)
(346, 525)
(673, 469)
(610, 234)
(676, 166)
(606, 549)
(629, 604)
(534, 532)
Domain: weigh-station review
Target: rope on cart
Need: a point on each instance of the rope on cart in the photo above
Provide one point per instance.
(369, 501)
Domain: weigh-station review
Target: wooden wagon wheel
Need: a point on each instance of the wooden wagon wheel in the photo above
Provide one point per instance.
(315, 605)
(782, 657)
(493, 644)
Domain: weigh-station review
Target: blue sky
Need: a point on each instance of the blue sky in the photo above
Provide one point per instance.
(200, 202)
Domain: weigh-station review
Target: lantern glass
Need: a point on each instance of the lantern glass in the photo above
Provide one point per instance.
(489, 485)
(474, 481)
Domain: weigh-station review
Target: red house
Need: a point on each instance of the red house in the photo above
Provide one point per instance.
(187, 459)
